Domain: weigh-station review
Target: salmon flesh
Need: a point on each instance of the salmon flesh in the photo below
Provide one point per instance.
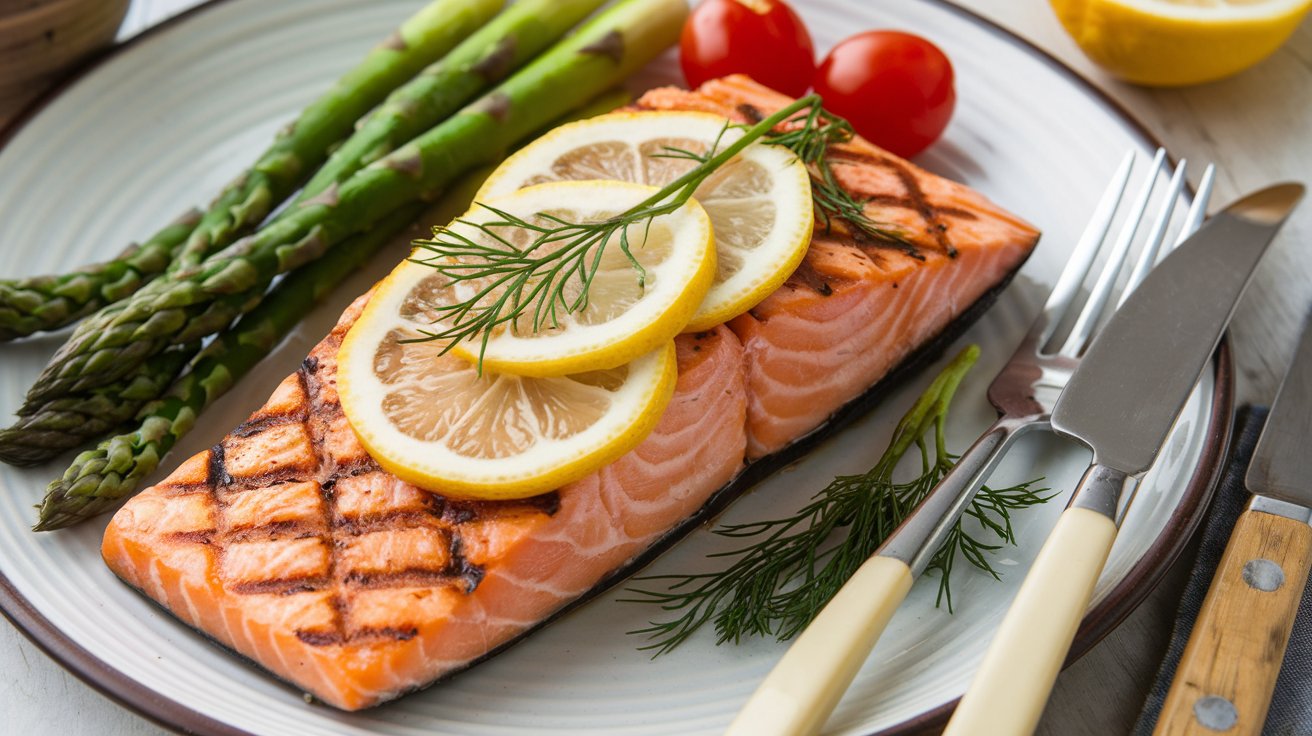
(287, 543)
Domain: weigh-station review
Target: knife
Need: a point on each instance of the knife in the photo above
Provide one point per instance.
(1122, 401)
(1228, 672)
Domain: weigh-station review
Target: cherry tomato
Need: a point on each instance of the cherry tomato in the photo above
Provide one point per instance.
(761, 38)
(895, 88)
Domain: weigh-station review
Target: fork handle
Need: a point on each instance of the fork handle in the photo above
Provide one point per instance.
(803, 688)
(1011, 686)
(1229, 668)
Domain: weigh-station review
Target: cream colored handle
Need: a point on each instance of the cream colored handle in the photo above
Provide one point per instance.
(1229, 668)
(802, 690)
(1013, 682)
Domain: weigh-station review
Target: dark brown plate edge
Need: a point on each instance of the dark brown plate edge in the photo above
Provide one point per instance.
(1122, 600)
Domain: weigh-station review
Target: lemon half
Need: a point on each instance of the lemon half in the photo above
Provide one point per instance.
(1179, 42)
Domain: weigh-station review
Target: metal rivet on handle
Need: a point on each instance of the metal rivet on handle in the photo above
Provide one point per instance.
(1263, 575)
(1215, 713)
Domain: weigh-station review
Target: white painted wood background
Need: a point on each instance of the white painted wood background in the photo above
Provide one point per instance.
(1257, 127)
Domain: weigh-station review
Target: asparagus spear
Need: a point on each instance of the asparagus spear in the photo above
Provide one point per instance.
(39, 303)
(49, 302)
(101, 477)
(489, 55)
(193, 302)
(66, 423)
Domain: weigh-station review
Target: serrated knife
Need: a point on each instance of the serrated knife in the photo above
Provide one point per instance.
(1228, 671)
(1122, 402)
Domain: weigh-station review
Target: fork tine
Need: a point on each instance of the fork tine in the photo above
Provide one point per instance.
(1148, 257)
(1198, 209)
(1086, 250)
(1102, 288)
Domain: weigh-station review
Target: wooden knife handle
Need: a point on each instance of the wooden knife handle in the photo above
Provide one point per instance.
(1228, 672)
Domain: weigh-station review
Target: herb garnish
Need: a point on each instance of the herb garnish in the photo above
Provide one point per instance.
(781, 580)
(531, 282)
(832, 201)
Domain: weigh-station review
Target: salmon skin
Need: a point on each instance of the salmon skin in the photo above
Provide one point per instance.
(287, 543)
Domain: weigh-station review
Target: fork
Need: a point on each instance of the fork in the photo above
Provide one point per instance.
(801, 691)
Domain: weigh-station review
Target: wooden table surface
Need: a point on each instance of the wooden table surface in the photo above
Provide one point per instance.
(1257, 128)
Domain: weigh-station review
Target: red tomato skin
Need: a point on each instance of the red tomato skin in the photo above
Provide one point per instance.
(723, 37)
(897, 89)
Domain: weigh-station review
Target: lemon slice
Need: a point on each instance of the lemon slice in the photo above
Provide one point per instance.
(627, 313)
(1177, 42)
(434, 421)
(759, 202)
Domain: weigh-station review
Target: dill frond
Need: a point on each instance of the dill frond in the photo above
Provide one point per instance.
(810, 136)
(535, 280)
(792, 566)
(530, 287)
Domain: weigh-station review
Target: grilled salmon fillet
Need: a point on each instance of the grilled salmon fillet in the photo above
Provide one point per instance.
(287, 543)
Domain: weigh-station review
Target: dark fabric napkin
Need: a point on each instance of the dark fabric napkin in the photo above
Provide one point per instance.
(1291, 707)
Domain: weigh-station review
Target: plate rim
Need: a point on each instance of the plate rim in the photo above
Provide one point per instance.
(1120, 602)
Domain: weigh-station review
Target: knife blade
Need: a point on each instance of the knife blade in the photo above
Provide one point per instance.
(1282, 467)
(1122, 401)
(1228, 671)
(1139, 372)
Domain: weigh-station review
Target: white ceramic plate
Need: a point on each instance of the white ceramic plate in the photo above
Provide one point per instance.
(163, 124)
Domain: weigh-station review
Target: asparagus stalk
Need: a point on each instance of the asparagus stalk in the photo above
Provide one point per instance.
(196, 301)
(49, 302)
(509, 41)
(37, 303)
(66, 423)
(99, 478)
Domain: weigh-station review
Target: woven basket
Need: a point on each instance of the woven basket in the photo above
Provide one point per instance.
(42, 40)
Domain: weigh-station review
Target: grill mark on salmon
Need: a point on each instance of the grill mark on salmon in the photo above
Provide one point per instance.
(217, 472)
(750, 113)
(259, 424)
(806, 275)
(897, 201)
(281, 586)
(470, 573)
(409, 577)
(387, 632)
(356, 526)
(914, 199)
(272, 531)
(286, 543)
(319, 638)
(335, 638)
(314, 390)
(199, 536)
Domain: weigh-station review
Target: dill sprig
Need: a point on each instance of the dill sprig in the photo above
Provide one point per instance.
(534, 280)
(531, 287)
(810, 136)
(794, 565)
